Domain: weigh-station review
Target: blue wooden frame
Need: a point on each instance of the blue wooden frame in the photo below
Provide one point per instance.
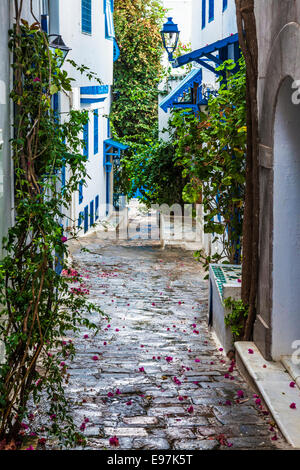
(203, 14)
(109, 20)
(96, 207)
(86, 140)
(86, 16)
(96, 131)
(91, 213)
(211, 10)
(225, 5)
(86, 219)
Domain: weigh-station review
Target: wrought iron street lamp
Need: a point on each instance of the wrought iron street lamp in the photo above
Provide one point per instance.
(170, 36)
(59, 44)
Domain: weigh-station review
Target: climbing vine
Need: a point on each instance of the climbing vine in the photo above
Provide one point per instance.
(138, 70)
(40, 307)
(210, 150)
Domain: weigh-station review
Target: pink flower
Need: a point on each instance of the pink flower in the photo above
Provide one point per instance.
(30, 448)
(274, 438)
(129, 403)
(240, 393)
(250, 351)
(141, 369)
(110, 394)
(86, 336)
(117, 329)
(105, 343)
(180, 398)
(220, 349)
(114, 441)
(86, 420)
(292, 384)
(179, 303)
(118, 391)
(228, 403)
(258, 401)
(95, 358)
(169, 359)
(36, 79)
(197, 360)
(293, 406)
(64, 239)
(82, 427)
(190, 410)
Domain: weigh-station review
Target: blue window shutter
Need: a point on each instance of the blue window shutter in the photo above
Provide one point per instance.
(80, 192)
(109, 19)
(97, 208)
(80, 219)
(225, 4)
(86, 218)
(203, 14)
(86, 140)
(86, 16)
(96, 131)
(91, 213)
(211, 11)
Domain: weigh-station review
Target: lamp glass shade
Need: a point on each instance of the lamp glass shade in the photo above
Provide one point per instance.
(170, 36)
(58, 43)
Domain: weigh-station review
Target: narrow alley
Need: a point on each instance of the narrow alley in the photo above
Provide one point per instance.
(154, 378)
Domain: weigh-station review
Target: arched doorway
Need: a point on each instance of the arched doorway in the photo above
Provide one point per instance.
(286, 224)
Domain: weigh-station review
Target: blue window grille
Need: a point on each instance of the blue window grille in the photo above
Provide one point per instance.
(116, 51)
(211, 10)
(86, 16)
(91, 213)
(203, 14)
(97, 208)
(86, 219)
(80, 189)
(80, 219)
(109, 19)
(225, 5)
(86, 140)
(96, 131)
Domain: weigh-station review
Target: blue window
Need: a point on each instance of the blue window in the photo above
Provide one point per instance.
(203, 14)
(86, 140)
(80, 219)
(86, 16)
(91, 213)
(86, 219)
(225, 5)
(109, 19)
(96, 131)
(211, 11)
(80, 189)
(97, 208)
(63, 177)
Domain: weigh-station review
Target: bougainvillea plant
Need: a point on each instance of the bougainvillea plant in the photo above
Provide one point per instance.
(40, 309)
(211, 149)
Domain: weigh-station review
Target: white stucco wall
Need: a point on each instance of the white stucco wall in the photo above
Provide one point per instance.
(286, 253)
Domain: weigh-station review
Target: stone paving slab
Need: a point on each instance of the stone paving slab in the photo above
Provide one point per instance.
(160, 381)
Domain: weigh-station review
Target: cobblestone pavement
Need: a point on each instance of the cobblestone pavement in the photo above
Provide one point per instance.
(160, 381)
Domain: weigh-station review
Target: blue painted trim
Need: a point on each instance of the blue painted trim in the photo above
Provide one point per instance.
(86, 219)
(203, 14)
(109, 20)
(96, 131)
(80, 190)
(94, 90)
(86, 16)
(211, 11)
(197, 54)
(91, 213)
(195, 76)
(91, 100)
(96, 207)
(116, 50)
(80, 219)
(86, 140)
(115, 144)
(225, 5)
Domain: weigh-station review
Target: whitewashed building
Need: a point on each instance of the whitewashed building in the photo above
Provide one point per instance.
(87, 29)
